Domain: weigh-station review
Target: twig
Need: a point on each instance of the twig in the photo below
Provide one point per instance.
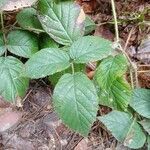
(115, 19)
(147, 65)
(144, 71)
(27, 95)
(136, 78)
(125, 47)
(132, 65)
(107, 22)
(91, 66)
(128, 39)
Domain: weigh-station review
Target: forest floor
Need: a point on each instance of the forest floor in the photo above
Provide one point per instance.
(35, 125)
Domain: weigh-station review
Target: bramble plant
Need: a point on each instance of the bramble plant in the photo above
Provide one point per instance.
(54, 40)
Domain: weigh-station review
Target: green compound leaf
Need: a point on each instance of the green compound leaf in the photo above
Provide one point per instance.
(61, 20)
(90, 48)
(22, 43)
(115, 92)
(2, 45)
(117, 96)
(124, 128)
(12, 83)
(110, 69)
(47, 62)
(75, 100)
(47, 42)
(89, 25)
(141, 102)
(55, 77)
(27, 18)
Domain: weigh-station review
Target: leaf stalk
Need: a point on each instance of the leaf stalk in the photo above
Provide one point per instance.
(72, 66)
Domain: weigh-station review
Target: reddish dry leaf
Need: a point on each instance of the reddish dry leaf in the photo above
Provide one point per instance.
(88, 5)
(104, 32)
(81, 17)
(3, 103)
(91, 74)
(144, 80)
(82, 145)
(8, 118)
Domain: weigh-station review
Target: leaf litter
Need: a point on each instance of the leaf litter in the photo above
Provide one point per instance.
(11, 5)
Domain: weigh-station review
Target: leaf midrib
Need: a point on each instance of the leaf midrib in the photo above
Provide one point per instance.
(60, 22)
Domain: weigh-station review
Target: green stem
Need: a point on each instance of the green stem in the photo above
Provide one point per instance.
(115, 20)
(132, 65)
(2, 22)
(3, 31)
(72, 66)
(30, 29)
(136, 79)
(131, 78)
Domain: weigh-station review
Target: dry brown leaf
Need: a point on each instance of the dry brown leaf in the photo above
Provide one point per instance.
(91, 74)
(17, 4)
(104, 32)
(81, 17)
(143, 53)
(89, 6)
(82, 145)
(8, 118)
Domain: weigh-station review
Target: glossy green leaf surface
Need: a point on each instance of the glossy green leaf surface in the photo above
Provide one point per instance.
(12, 83)
(75, 100)
(47, 62)
(90, 48)
(61, 20)
(141, 102)
(22, 43)
(124, 128)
